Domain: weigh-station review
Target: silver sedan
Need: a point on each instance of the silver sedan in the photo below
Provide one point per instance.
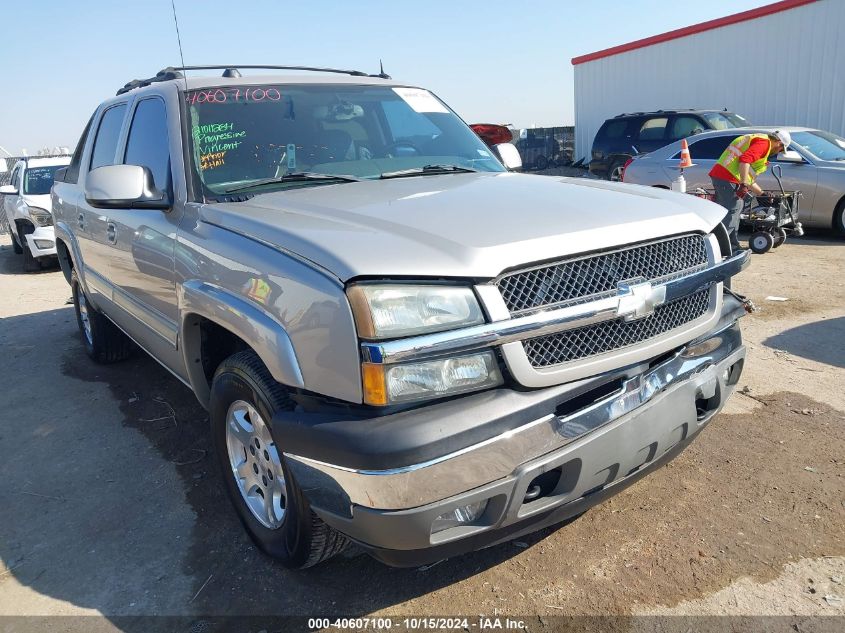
(814, 164)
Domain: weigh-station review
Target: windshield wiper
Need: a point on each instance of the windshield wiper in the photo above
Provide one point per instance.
(428, 170)
(298, 176)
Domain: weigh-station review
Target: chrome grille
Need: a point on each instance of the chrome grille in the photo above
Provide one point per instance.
(589, 278)
(608, 336)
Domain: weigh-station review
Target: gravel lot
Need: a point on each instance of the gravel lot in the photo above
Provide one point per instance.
(111, 503)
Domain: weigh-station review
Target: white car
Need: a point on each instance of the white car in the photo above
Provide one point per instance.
(27, 206)
(814, 165)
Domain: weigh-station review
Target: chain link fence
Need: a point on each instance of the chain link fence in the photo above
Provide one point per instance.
(544, 147)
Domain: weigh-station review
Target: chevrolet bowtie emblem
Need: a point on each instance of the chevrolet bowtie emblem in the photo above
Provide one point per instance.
(638, 299)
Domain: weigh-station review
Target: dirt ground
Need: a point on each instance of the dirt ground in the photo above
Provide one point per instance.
(110, 502)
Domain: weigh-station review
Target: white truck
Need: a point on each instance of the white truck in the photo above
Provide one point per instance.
(28, 210)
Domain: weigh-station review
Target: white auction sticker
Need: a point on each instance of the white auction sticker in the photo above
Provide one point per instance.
(420, 100)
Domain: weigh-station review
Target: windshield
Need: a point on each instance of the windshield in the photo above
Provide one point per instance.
(724, 120)
(38, 180)
(246, 134)
(822, 145)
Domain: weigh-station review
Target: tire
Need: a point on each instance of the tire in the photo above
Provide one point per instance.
(614, 174)
(30, 264)
(541, 163)
(839, 218)
(268, 501)
(103, 341)
(17, 247)
(779, 238)
(761, 242)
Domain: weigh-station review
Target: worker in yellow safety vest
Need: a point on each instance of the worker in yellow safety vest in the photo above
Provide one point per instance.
(735, 173)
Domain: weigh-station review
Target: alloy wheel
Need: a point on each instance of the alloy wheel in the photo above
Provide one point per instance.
(256, 464)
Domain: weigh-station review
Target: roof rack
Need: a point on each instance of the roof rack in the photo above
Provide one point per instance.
(232, 70)
(668, 111)
(166, 74)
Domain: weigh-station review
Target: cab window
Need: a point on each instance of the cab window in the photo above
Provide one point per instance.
(148, 141)
(684, 126)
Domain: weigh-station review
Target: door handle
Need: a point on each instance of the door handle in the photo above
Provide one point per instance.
(80, 220)
(111, 232)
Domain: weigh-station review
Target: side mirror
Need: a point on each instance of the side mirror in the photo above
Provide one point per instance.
(122, 187)
(509, 156)
(8, 190)
(790, 156)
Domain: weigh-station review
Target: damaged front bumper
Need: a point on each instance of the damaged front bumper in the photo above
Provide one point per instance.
(42, 241)
(528, 459)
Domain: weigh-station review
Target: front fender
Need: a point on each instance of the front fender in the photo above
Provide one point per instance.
(244, 319)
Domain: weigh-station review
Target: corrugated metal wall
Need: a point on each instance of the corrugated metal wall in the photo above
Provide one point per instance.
(782, 69)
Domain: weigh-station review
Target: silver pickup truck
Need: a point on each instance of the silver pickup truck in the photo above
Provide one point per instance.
(400, 343)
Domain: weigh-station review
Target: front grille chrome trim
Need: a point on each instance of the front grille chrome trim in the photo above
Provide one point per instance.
(539, 324)
(594, 276)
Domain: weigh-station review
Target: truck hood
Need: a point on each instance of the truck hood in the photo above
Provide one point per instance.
(458, 225)
(40, 200)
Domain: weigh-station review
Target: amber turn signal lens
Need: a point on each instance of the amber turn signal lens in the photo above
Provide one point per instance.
(375, 391)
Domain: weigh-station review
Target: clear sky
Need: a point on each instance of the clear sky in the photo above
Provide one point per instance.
(492, 61)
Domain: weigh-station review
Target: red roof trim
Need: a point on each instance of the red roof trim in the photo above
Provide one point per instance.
(751, 14)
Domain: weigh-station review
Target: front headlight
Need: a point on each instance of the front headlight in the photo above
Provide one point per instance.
(393, 310)
(409, 382)
(41, 217)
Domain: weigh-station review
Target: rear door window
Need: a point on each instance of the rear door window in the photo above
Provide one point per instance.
(72, 173)
(653, 129)
(108, 134)
(614, 129)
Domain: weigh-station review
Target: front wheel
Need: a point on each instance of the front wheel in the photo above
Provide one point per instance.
(761, 242)
(268, 501)
(541, 163)
(780, 238)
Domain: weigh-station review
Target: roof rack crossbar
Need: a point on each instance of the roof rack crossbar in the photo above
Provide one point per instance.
(165, 74)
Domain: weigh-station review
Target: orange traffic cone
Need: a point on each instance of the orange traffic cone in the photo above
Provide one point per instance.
(686, 159)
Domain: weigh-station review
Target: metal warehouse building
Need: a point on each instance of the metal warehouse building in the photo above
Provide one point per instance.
(781, 64)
